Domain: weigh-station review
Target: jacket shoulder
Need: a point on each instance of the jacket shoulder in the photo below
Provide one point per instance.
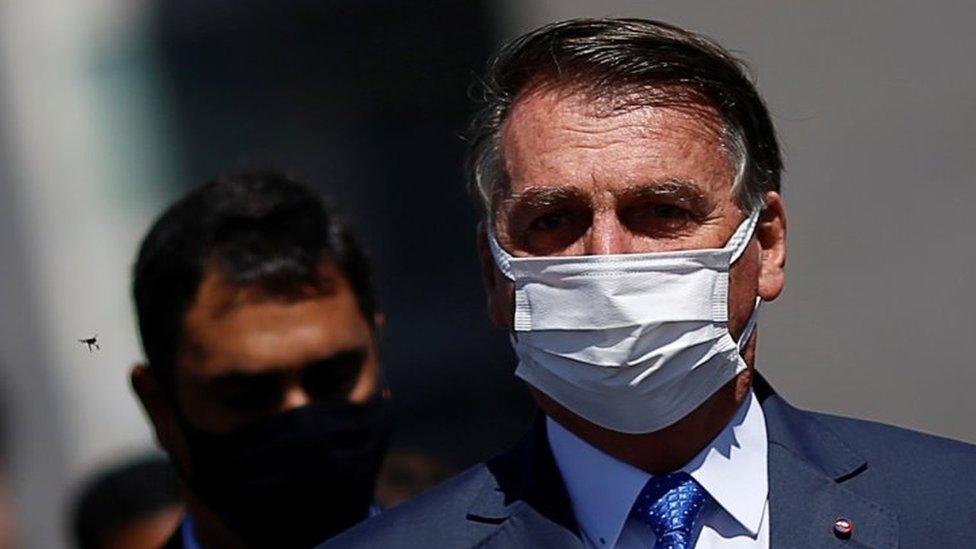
(435, 518)
(894, 449)
(926, 480)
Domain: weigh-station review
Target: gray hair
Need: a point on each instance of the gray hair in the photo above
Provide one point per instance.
(656, 63)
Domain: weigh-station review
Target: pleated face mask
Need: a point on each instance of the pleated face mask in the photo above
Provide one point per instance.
(630, 342)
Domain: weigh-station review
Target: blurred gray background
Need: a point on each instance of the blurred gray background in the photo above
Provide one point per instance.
(109, 109)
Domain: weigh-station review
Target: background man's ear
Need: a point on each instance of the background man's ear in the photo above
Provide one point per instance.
(771, 235)
(156, 404)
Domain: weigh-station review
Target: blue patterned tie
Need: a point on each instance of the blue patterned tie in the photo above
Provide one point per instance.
(670, 505)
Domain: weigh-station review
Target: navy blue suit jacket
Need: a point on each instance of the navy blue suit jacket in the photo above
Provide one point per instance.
(899, 488)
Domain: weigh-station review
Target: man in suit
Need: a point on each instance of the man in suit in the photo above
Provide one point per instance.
(263, 381)
(629, 175)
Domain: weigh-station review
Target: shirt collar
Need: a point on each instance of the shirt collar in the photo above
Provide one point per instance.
(602, 489)
(733, 468)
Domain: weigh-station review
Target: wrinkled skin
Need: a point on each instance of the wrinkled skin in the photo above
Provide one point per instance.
(584, 179)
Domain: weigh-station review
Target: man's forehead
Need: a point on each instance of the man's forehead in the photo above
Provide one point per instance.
(553, 141)
(649, 113)
(218, 333)
(217, 294)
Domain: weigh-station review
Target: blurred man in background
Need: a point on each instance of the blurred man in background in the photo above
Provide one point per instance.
(629, 178)
(262, 379)
(135, 505)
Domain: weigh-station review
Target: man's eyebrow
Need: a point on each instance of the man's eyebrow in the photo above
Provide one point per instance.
(544, 197)
(354, 355)
(353, 358)
(232, 379)
(684, 191)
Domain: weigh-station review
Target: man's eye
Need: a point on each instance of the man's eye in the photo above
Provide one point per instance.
(549, 221)
(667, 211)
(657, 219)
(251, 398)
(336, 377)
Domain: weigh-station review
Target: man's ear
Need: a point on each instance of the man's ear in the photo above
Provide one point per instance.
(498, 290)
(156, 403)
(771, 235)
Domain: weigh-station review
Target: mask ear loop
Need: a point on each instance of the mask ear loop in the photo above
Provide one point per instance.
(503, 260)
(743, 235)
(750, 325)
(739, 242)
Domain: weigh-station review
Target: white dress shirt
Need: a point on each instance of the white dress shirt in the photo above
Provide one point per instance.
(732, 469)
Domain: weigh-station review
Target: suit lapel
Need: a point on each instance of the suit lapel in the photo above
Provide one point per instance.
(804, 504)
(529, 529)
(808, 465)
(526, 497)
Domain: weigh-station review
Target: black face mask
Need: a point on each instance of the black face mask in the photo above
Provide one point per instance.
(294, 479)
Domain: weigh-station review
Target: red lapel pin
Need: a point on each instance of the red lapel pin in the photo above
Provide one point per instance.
(843, 527)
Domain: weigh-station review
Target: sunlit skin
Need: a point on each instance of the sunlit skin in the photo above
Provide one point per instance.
(7, 530)
(150, 532)
(245, 356)
(584, 180)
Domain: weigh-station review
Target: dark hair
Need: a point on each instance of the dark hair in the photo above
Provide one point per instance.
(259, 229)
(120, 495)
(614, 58)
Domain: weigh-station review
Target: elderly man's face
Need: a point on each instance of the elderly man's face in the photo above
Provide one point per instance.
(587, 181)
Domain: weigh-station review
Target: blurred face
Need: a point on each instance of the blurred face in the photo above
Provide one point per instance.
(273, 405)
(245, 356)
(584, 180)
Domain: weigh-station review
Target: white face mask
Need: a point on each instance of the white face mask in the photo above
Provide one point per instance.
(630, 342)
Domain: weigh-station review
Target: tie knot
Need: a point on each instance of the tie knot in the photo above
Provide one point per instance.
(670, 505)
